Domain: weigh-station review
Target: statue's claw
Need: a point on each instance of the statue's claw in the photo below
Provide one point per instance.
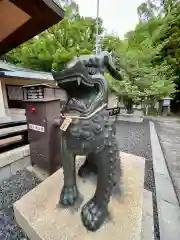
(69, 195)
(93, 215)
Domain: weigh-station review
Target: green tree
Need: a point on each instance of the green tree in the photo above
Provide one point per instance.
(52, 49)
(143, 81)
(147, 10)
(168, 38)
(148, 56)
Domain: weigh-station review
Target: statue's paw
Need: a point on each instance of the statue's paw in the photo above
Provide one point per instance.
(69, 195)
(93, 215)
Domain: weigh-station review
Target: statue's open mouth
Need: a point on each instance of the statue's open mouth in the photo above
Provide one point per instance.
(81, 96)
(82, 91)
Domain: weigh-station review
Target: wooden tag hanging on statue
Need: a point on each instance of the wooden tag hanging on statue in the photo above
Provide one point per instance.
(64, 126)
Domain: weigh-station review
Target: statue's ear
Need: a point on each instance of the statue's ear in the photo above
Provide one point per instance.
(71, 62)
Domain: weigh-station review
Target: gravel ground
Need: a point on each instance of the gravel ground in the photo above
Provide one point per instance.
(132, 138)
(135, 138)
(12, 190)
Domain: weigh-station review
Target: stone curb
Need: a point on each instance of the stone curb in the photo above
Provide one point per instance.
(167, 203)
(14, 155)
(13, 161)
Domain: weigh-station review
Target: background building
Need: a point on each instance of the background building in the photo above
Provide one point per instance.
(12, 78)
(20, 21)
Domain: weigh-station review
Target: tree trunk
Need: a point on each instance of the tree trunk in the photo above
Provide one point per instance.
(129, 106)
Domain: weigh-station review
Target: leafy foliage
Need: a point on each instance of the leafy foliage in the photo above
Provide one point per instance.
(148, 57)
(52, 49)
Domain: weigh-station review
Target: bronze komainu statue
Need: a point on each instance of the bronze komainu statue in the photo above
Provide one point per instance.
(91, 133)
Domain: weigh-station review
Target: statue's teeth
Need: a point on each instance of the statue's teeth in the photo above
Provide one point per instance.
(78, 81)
(73, 100)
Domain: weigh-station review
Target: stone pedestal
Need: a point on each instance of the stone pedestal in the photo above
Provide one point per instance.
(41, 219)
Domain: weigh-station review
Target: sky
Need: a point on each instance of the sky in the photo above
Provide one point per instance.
(119, 16)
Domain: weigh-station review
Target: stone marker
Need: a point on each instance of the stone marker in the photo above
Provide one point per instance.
(41, 219)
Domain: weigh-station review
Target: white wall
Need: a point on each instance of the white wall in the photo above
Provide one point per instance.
(2, 109)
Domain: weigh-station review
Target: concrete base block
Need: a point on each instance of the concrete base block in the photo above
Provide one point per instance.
(147, 219)
(5, 173)
(13, 161)
(42, 219)
(41, 174)
(20, 164)
(130, 118)
(14, 155)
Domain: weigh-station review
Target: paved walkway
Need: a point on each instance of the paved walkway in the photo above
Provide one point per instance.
(169, 135)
